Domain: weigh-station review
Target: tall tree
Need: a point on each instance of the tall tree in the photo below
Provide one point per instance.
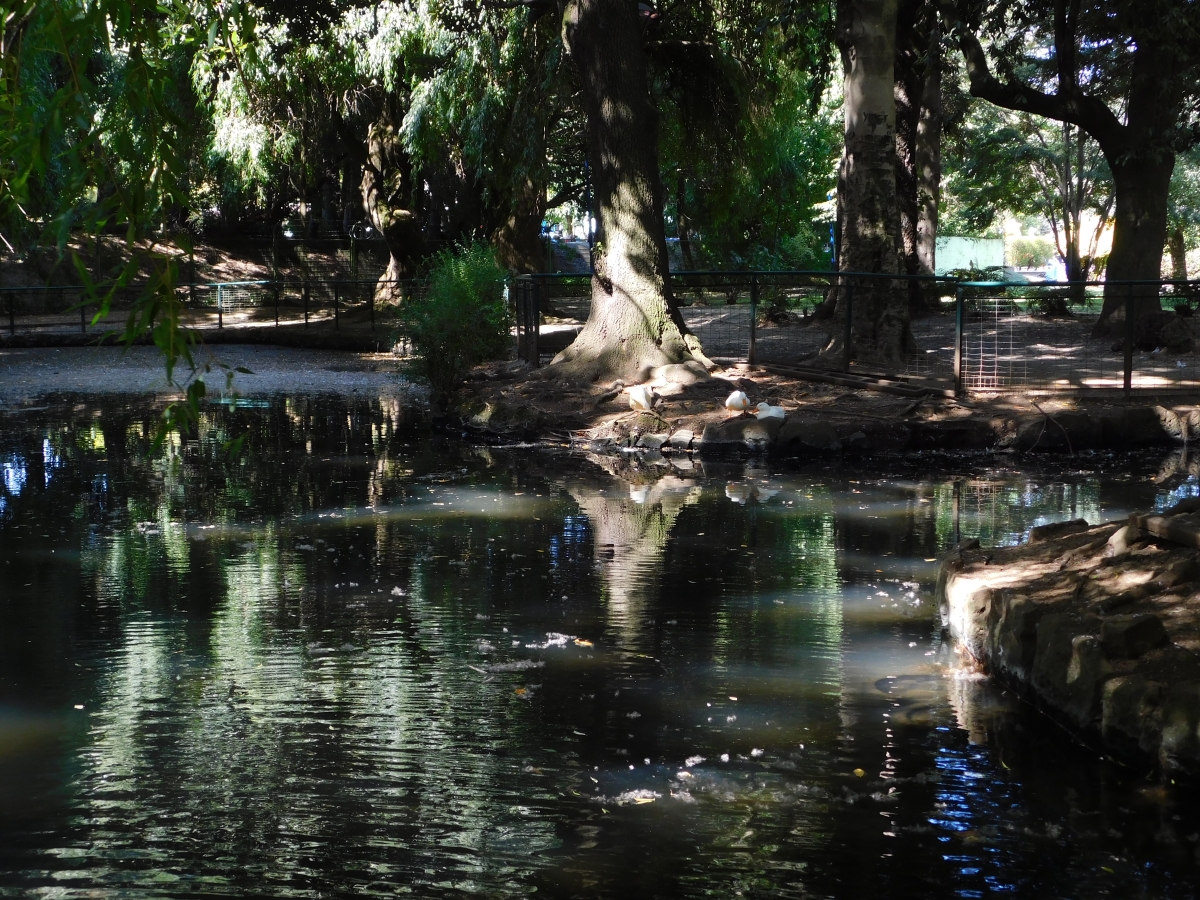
(1124, 71)
(870, 240)
(634, 324)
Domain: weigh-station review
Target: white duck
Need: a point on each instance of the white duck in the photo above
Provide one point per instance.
(737, 402)
(641, 398)
(767, 411)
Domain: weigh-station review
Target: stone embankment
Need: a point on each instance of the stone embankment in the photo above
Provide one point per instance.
(1097, 625)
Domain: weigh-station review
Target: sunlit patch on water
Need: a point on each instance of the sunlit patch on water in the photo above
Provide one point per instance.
(355, 663)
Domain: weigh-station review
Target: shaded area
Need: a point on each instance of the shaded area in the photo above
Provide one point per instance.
(356, 662)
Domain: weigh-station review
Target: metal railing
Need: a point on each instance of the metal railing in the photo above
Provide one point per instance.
(338, 302)
(966, 337)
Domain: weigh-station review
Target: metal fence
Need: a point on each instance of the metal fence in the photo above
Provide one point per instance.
(341, 303)
(966, 337)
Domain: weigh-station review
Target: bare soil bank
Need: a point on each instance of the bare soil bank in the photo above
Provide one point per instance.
(690, 417)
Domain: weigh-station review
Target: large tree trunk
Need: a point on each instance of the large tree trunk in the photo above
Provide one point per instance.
(918, 141)
(634, 324)
(870, 228)
(387, 193)
(1141, 186)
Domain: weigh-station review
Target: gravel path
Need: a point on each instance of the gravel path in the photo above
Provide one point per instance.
(29, 373)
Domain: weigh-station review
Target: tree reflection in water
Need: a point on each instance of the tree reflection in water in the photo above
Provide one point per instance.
(356, 660)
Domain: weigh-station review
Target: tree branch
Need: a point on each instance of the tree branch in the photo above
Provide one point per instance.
(1089, 113)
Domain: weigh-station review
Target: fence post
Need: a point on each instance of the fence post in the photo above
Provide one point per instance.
(337, 298)
(753, 318)
(535, 320)
(1129, 343)
(305, 293)
(849, 325)
(959, 303)
(220, 308)
(275, 289)
(371, 304)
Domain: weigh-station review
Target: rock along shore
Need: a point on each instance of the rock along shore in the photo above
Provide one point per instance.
(1097, 625)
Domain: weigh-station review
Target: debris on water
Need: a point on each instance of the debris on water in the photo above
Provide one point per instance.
(580, 642)
(859, 772)
(724, 757)
(734, 699)
(693, 761)
(480, 617)
(729, 719)
(396, 592)
(553, 639)
(632, 798)
(756, 752)
(484, 647)
(520, 665)
(520, 692)
(304, 546)
(633, 715)
(646, 760)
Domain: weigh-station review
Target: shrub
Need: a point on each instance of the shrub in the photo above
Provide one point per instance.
(1031, 253)
(461, 319)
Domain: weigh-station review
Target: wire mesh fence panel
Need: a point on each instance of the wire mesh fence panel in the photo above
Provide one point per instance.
(1021, 339)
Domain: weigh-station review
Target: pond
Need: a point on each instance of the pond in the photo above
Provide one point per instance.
(356, 660)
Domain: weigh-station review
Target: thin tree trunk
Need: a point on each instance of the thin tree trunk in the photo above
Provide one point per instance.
(1178, 250)
(634, 325)
(870, 230)
(929, 156)
(684, 224)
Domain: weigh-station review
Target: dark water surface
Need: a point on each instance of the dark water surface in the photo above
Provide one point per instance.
(355, 662)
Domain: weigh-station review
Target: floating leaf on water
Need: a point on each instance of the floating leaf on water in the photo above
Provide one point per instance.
(580, 642)
(520, 692)
(859, 772)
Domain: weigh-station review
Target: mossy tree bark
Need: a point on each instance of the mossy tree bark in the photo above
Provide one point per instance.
(387, 193)
(870, 218)
(634, 324)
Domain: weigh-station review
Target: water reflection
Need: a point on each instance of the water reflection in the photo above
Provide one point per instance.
(359, 662)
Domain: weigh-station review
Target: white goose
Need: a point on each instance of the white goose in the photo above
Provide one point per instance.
(737, 402)
(641, 398)
(767, 411)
